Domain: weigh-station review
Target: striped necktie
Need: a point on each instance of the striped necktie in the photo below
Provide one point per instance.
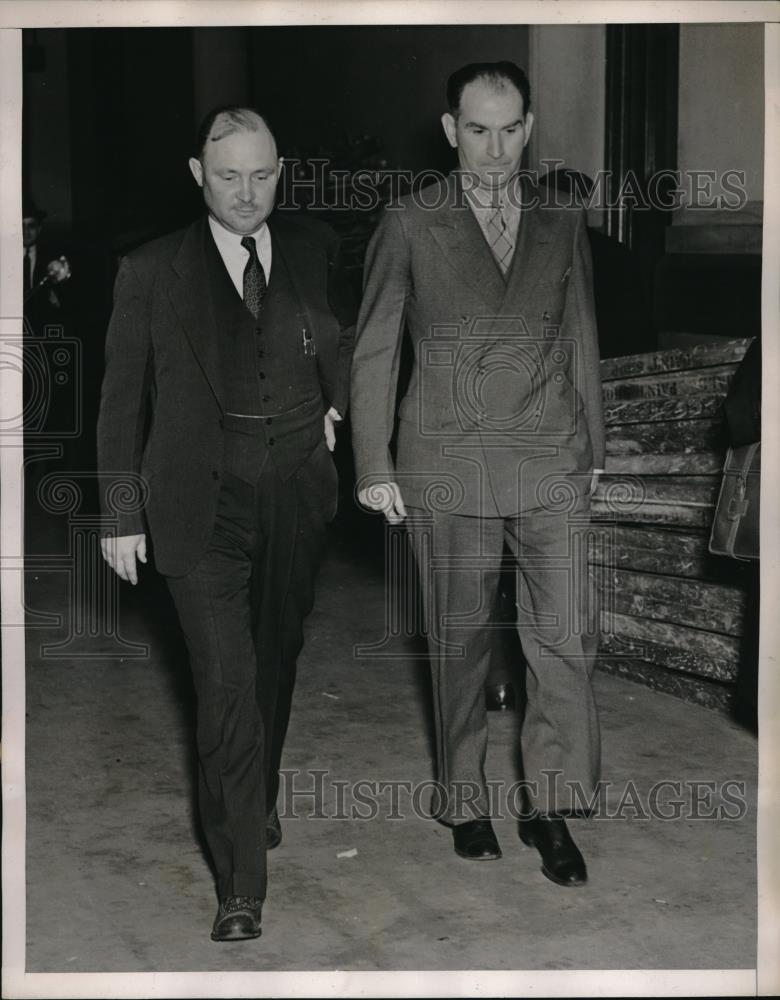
(254, 278)
(499, 239)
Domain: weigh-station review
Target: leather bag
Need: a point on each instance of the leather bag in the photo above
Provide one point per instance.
(735, 527)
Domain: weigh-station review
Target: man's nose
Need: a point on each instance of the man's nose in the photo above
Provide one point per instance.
(245, 192)
(496, 146)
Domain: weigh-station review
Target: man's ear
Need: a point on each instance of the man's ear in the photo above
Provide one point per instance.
(450, 130)
(529, 124)
(196, 169)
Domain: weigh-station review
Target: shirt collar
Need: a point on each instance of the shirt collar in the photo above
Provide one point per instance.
(483, 199)
(228, 241)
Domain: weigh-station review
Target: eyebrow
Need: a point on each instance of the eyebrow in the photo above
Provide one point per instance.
(470, 124)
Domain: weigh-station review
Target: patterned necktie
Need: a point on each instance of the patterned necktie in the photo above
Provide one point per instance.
(254, 278)
(499, 239)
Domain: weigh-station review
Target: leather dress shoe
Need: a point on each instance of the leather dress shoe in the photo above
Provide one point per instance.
(475, 840)
(238, 918)
(499, 697)
(273, 831)
(561, 859)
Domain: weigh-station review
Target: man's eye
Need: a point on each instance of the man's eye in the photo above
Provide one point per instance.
(227, 176)
(511, 130)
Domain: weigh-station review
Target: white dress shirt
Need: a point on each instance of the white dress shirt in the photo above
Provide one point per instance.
(235, 256)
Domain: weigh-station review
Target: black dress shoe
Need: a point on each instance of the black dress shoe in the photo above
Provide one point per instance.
(561, 859)
(273, 831)
(475, 840)
(238, 918)
(499, 697)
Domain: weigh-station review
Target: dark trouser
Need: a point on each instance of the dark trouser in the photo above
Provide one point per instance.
(241, 610)
(459, 560)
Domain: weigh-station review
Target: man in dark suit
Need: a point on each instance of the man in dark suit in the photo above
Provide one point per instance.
(500, 435)
(45, 271)
(238, 332)
(49, 313)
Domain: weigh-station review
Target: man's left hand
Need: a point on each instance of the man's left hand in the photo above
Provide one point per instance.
(332, 417)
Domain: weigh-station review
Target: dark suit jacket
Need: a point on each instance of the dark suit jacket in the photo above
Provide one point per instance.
(504, 400)
(742, 404)
(161, 405)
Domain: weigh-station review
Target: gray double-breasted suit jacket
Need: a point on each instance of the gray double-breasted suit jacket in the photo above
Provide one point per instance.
(504, 401)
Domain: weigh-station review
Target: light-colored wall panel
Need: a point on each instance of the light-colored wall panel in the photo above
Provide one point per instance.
(567, 66)
(721, 110)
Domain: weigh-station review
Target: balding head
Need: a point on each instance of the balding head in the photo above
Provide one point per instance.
(225, 121)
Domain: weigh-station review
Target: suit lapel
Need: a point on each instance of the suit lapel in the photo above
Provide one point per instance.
(460, 239)
(192, 299)
(535, 242)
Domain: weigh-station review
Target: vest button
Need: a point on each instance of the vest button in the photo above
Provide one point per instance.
(215, 474)
(262, 374)
(270, 441)
(269, 420)
(266, 398)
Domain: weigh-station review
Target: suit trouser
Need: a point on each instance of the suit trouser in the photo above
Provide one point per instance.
(241, 610)
(459, 561)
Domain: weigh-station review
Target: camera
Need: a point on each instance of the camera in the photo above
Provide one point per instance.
(51, 366)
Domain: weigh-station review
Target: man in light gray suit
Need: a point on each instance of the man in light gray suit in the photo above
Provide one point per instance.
(500, 439)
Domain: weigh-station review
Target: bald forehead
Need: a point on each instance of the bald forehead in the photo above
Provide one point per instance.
(487, 87)
(229, 123)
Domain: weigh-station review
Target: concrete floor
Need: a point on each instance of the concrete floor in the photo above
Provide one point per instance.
(117, 880)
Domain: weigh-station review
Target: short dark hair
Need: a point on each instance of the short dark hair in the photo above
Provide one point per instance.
(495, 73)
(237, 118)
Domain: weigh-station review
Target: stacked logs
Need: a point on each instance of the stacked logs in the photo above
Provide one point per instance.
(673, 615)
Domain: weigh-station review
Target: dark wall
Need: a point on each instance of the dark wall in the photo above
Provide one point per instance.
(131, 121)
(132, 95)
(322, 85)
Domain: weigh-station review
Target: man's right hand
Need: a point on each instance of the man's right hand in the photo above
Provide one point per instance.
(120, 554)
(384, 497)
